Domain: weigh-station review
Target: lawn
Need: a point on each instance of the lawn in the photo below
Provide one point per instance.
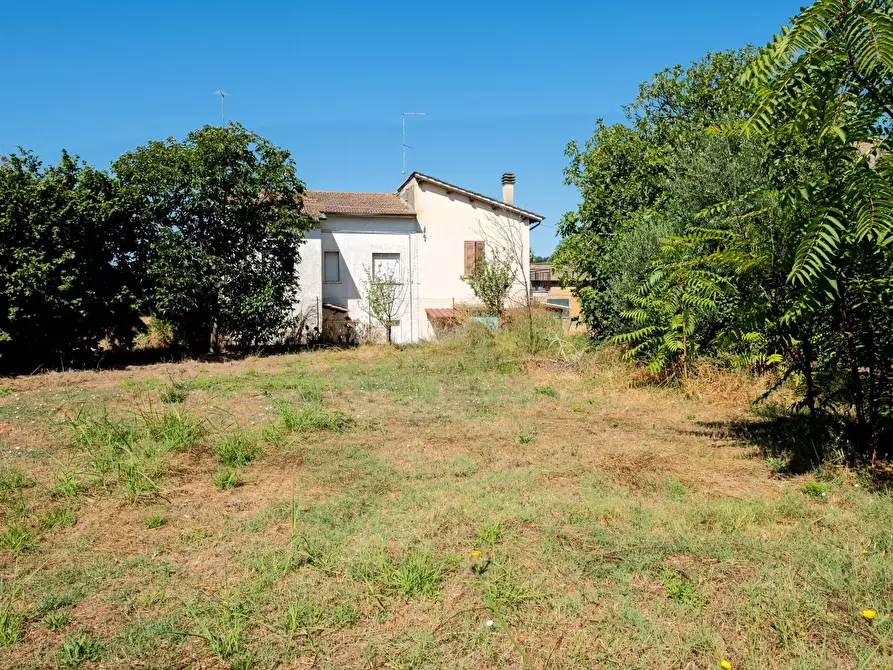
(452, 505)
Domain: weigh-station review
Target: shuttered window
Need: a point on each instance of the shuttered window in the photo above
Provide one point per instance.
(474, 251)
(332, 267)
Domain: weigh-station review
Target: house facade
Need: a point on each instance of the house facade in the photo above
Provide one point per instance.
(421, 239)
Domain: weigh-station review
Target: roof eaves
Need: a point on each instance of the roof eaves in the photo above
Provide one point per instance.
(421, 176)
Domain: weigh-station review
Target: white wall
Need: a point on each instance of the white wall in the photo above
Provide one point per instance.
(356, 239)
(447, 222)
(310, 275)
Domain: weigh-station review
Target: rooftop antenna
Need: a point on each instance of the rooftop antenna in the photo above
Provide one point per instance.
(222, 95)
(405, 146)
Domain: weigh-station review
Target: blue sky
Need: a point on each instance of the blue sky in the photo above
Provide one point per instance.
(506, 85)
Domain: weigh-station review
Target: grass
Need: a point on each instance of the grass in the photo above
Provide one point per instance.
(226, 479)
(406, 496)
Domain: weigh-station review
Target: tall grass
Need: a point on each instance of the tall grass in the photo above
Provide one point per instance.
(310, 417)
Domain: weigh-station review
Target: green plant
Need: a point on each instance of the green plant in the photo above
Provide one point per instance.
(67, 483)
(174, 429)
(312, 416)
(239, 448)
(78, 649)
(55, 621)
(681, 589)
(221, 627)
(10, 618)
(413, 574)
(17, 538)
(676, 489)
(14, 479)
(6, 391)
(489, 534)
(156, 520)
(503, 587)
(56, 518)
(814, 489)
(549, 391)
(491, 277)
(527, 437)
(175, 392)
(226, 478)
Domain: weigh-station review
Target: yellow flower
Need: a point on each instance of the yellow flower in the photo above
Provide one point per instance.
(475, 554)
(865, 551)
(869, 614)
(725, 665)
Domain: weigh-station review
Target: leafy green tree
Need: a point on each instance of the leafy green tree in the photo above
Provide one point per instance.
(638, 181)
(220, 222)
(65, 262)
(492, 280)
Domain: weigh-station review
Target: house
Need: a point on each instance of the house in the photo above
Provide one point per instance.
(546, 286)
(423, 237)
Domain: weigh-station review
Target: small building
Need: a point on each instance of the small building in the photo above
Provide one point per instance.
(424, 237)
(546, 287)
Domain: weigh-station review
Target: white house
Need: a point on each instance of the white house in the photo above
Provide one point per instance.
(427, 233)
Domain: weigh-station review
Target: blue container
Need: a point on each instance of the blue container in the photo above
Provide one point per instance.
(489, 322)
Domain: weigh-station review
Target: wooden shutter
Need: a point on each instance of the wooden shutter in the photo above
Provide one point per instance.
(474, 251)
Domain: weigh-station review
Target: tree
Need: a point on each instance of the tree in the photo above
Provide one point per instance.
(220, 224)
(66, 279)
(646, 179)
(491, 280)
(384, 294)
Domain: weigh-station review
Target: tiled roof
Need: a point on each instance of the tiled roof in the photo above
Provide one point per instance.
(355, 202)
(442, 314)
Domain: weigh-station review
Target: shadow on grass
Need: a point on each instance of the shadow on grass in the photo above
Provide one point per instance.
(794, 441)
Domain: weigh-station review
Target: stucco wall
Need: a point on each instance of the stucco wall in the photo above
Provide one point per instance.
(447, 222)
(310, 277)
(356, 239)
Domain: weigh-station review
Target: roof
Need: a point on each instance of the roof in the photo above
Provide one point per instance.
(355, 203)
(421, 177)
(443, 314)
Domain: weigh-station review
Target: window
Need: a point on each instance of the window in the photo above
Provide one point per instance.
(386, 268)
(474, 251)
(332, 267)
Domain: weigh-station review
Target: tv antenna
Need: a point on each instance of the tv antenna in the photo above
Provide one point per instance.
(405, 146)
(222, 95)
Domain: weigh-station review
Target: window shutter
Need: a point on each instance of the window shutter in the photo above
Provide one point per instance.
(470, 249)
(478, 252)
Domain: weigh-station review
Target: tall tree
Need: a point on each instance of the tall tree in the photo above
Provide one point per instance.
(220, 220)
(65, 262)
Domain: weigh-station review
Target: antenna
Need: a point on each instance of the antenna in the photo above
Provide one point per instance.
(222, 95)
(405, 146)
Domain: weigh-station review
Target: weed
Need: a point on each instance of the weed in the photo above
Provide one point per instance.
(549, 391)
(462, 467)
(53, 602)
(78, 649)
(681, 589)
(14, 479)
(6, 391)
(814, 489)
(55, 621)
(415, 574)
(221, 628)
(504, 588)
(10, 618)
(156, 520)
(778, 463)
(173, 393)
(343, 615)
(226, 479)
(56, 518)
(302, 615)
(489, 534)
(67, 483)
(676, 489)
(527, 437)
(17, 538)
(174, 429)
(312, 416)
(237, 449)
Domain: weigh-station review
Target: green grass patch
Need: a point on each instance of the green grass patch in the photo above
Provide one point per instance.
(311, 417)
(226, 479)
(237, 449)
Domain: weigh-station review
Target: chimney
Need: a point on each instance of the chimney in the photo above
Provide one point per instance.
(508, 188)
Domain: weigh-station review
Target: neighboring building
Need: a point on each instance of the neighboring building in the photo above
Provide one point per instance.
(428, 233)
(545, 286)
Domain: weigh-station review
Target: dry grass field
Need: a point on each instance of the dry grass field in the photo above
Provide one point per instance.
(452, 505)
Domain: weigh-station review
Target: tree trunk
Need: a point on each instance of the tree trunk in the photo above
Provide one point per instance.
(215, 338)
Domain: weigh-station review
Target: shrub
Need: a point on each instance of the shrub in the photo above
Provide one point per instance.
(814, 489)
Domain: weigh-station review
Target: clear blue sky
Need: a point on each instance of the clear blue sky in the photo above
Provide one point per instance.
(506, 85)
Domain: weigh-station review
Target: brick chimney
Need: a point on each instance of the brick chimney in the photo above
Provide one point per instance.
(508, 188)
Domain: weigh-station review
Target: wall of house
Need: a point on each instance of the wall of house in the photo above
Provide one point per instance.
(310, 279)
(447, 222)
(356, 239)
